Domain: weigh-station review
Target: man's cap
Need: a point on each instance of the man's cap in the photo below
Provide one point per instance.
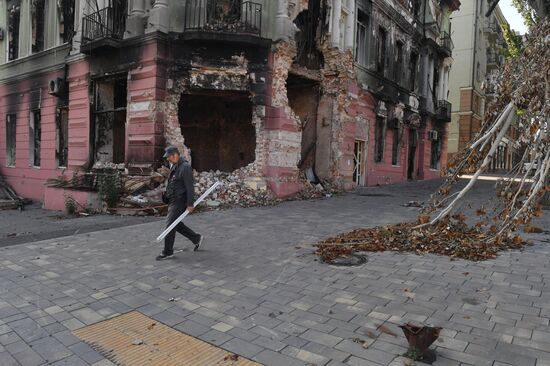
(170, 150)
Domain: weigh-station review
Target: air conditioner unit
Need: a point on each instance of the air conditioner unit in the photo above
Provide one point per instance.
(433, 135)
(56, 86)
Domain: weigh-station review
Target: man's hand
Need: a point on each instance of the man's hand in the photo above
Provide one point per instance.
(190, 209)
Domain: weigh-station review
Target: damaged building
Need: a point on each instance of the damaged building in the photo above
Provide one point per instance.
(350, 92)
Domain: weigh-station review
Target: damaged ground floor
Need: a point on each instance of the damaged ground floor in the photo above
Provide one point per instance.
(249, 112)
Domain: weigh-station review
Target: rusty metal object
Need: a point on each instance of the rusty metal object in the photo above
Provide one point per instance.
(420, 338)
(137, 340)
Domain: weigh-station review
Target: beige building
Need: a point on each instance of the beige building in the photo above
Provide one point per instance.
(479, 51)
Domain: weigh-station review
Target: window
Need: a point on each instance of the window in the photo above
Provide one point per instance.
(395, 147)
(38, 18)
(380, 142)
(435, 153)
(361, 49)
(11, 133)
(35, 138)
(358, 161)
(399, 62)
(381, 55)
(14, 16)
(62, 137)
(412, 71)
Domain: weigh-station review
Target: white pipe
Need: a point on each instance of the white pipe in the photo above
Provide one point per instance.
(183, 215)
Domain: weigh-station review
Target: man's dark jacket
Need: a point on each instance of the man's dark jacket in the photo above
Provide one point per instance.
(180, 183)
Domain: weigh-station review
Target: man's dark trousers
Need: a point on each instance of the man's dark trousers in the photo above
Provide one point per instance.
(175, 208)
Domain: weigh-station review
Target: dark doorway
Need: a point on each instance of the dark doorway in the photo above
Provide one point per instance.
(411, 165)
(303, 98)
(109, 120)
(218, 129)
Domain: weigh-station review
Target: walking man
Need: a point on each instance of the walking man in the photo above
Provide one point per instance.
(179, 196)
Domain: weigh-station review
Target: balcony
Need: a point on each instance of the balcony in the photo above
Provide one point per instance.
(103, 29)
(443, 111)
(445, 44)
(213, 18)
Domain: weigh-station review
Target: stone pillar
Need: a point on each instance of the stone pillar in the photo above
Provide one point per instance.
(159, 17)
(336, 14)
(135, 24)
(350, 25)
(283, 26)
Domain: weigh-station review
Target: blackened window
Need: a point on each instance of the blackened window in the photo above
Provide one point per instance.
(382, 49)
(412, 70)
(38, 18)
(399, 63)
(62, 129)
(395, 147)
(35, 137)
(380, 139)
(14, 16)
(361, 51)
(11, 133)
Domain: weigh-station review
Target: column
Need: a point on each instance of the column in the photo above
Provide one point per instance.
(135, 25)
(159, 17)
(336, 14)
(350, 25)
(282, 21)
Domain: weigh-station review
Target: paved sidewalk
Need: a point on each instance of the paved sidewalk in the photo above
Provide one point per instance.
(257, 290)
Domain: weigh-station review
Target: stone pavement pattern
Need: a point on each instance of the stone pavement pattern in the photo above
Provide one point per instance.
(257, 290)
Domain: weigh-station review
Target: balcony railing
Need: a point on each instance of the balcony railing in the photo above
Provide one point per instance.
(492, 58)
(224, 16)
(443, 111)
(107, 23)
(491, 26)
(446, 43)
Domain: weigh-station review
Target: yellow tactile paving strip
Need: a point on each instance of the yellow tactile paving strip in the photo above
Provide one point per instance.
(134, 339)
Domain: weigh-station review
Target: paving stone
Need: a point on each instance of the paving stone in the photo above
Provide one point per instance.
(255, 289)
(28, 358)
(242, 348)
(50, 349)
(321, 338)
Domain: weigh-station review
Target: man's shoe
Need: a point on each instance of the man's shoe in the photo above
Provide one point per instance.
(163, 256)
(199, 243)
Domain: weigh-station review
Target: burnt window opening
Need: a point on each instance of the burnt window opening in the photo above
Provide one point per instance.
(435, 153)
(109, 120)
(413, 6)
(62, 137)
(399, 62)
(65, 13)
(35, 137)
(38, 22)
(381, 51)
(218, 130)
(310, 25)
(395, 147)
(380, 139)
(362, 47)
(413, 71)
(358, 162)
(11, 136)
(14, 18)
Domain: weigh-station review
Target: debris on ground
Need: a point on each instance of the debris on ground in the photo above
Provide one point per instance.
(8, 198)
(453, 239)
(140, 188)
